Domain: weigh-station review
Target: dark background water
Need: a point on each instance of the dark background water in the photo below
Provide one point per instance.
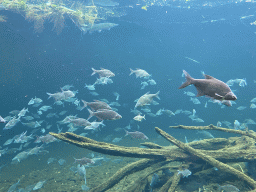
(157, 40)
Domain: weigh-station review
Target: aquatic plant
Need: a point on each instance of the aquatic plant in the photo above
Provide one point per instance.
(83, 14)
(3, 18)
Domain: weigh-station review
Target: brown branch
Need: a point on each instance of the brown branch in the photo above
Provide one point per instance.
(121, 173)
(213, 127)
(110, 149)
(209, 159)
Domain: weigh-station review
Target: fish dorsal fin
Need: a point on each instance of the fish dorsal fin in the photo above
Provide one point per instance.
(102, 68)
(147, 93)
(208, 77)
(199, 92)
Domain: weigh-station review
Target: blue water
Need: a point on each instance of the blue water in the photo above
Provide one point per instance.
(158, 40)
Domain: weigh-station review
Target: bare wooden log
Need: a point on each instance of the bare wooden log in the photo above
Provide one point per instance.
(250, 133)
(209, 159)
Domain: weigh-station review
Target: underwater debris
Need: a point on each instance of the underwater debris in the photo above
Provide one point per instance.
(215, 151)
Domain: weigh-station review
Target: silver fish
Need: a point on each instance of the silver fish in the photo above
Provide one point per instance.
(105, 114)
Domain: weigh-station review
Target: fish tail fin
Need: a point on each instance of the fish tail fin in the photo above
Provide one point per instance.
(126, 132)
(157, 95)
(94, 72)
(91, 114)
(74, 159)
(50, 95)
(144, 117)
(131, 71)
(85, 105)
(188, 82)
(102, 123)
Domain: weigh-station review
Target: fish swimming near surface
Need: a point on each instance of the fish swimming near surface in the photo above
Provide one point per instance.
(98, 27)
(210, 87)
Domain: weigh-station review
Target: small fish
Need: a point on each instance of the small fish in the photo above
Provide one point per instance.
(19, 157)
(84, 161)
(94, 125)
(116, 140)
(39, 185)
(253, 100)
(146, 99)
(67, 87)
(188, 93)
(185, 173)
(62, 112)
(250, 121)
(28, 118)
(229, 188)
(241, 108)
(139, 118)
(98, 27)
(209, 86)
(22, 113)
(8, 142)
(159, 112)
(80, 122)
(198, 120)
(94, 93)
(96, 105)
(12, 123)
(236, 125)
(152, 82)
(13, 187)
(103, 72)
(253, 106)
(62, 161)
(144, 84)
(169, 112)
(154, 181)
(105, 114)
(195, 100)
(103, 81)
(206, 133)
(136, 135)
(81, 170)
(51, 160)
(140, 73)
(90, 87)
(45, 108)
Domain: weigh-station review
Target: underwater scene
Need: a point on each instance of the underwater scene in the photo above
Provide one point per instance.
(127, 95)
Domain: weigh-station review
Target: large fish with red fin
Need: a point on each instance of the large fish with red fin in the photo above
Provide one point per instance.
(210, 87)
